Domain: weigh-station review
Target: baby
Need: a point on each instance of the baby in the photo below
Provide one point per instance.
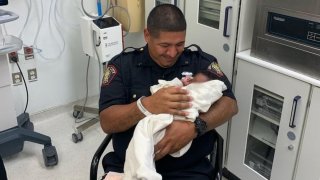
(139, 163)
(202, 88)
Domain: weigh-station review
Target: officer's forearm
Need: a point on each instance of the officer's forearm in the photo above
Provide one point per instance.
(220, 112)
(118, 118)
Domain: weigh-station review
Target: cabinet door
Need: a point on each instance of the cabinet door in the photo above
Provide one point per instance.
(265, 134)
(212, 24)
(309, 161)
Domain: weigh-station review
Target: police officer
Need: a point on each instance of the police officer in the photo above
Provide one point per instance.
(125, 98)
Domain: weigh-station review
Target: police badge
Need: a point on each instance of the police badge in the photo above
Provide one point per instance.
(214, 68)
(109, 74)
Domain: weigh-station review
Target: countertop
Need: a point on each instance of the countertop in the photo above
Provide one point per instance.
(245, 55)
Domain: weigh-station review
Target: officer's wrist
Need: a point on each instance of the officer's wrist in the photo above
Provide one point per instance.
(142, 109)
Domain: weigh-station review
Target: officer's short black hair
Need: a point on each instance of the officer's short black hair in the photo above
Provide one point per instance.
(165, 17)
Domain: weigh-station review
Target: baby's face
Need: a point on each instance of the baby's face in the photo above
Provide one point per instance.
(200, 78)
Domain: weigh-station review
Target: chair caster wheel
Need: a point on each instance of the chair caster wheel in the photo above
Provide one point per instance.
(50, 156)
(77, 137)
(77, 114)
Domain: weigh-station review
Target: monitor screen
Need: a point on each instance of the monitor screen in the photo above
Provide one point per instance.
(3, 2)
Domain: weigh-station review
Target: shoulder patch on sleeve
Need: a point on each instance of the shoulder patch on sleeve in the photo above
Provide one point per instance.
(109, 74)
(214, 68)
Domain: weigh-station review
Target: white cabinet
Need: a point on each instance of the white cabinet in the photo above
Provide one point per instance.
(265, 134)
(308, 165)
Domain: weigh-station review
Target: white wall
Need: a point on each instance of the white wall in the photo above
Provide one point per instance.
(61, 80)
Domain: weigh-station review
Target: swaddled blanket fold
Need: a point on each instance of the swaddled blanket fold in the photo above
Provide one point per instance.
(139, 163)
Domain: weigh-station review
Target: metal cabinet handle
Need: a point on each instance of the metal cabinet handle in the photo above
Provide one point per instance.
(293, 111)
(226, 20)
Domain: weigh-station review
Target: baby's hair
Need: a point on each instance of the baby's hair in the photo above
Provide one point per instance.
(210, 75)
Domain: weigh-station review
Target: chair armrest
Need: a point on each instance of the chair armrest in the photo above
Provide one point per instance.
(97, 156)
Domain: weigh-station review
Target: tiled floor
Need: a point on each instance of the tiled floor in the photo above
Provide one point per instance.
(74, 159)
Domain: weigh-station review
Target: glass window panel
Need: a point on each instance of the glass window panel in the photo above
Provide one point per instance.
(209, 13)
(263, 130)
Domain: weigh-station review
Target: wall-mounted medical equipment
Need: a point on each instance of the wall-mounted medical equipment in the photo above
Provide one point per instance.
(101, 36)
(287, 33)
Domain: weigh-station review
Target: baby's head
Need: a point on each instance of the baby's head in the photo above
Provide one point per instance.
(201, 76)
(205, 75)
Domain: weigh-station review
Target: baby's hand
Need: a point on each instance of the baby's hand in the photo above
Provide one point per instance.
(186, 80)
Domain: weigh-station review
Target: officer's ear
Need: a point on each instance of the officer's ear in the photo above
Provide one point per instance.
(147, 35)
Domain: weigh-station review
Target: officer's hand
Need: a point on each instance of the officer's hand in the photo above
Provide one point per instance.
(177, 135)
(170, 100)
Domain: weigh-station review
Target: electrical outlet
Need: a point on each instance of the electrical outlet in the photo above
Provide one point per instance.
(13, 57)
(32, 74)
(28, 52)
(16, 78)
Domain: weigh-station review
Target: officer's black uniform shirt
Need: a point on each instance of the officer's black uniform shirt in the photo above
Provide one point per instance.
(129, 76)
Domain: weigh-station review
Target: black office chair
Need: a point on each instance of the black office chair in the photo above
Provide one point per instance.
(216, 156)
(3, 174)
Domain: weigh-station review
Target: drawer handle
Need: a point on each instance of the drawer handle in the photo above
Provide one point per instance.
(226, 29)
(293, 111)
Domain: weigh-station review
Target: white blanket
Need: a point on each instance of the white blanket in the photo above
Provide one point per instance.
(139, 163)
